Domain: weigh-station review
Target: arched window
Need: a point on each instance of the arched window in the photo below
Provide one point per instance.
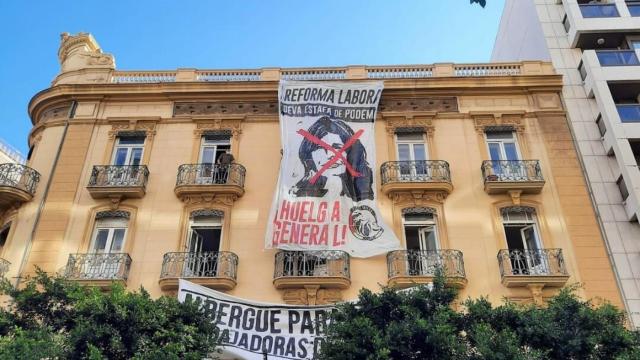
(420, 229)
(521, 228)
(205, 231)
(109, 232)
(525, 249)
(203, 243)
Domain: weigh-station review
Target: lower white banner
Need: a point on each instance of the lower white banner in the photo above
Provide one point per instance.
(255, 330)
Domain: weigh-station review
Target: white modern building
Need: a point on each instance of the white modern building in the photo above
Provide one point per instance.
(9, 154)
(594, 45)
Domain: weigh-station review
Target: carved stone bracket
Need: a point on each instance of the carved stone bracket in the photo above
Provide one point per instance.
(146, 126)
(418, 198)
(204, 199)
(515, 196)
(536, 293)
(498, 121)
(311, 295)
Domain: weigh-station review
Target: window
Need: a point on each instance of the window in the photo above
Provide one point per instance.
(421, 240)
(211, 148)
(634, 7)
(523, 241)
(601, 127)
(502, 145)
(4, 235)
(566, 24)
(128, 150)
(412, 153)
(109, 232)
(108, 238)
(635, 149)
(623, 188)
(634, 44)
(205, 235)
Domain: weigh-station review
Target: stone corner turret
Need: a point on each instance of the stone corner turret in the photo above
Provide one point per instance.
(82, 60)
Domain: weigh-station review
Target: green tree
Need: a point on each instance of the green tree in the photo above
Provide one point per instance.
(57, 319)
(482, 3)
(421, 324)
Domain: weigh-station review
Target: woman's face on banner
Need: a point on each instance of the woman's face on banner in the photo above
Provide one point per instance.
(322, 156)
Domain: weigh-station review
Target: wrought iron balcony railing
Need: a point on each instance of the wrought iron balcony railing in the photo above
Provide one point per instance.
(98, 266)
(211, 174)
(425, 263)
(4, 267)
(330, 263)
(540, 262)
(221, 264)
(19, 176)
(599, 10)
(617, 57)
(415, 171)
(119, 176)
(511, 170)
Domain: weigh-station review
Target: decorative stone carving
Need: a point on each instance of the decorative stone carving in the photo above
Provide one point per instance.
(409, 123)
(311, 295)
(148, 127)
(205, 126)
(418, 198)
(81, 51)
(225, 108)
(498, 121)
(419, 210)
(435, 104)
(206, 212)
(55, 113)
(222, 199)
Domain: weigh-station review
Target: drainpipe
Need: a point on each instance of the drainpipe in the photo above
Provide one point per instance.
(27, 248)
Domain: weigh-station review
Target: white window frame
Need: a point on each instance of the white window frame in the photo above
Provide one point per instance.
(212, 224)
(204, 143)
(111, 225)
(542, 267)
(501, 142)
(424, 224)
(129, 148)
(411, 143)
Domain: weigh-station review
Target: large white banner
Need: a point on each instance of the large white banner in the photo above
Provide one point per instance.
(250, 330)
(326, 193)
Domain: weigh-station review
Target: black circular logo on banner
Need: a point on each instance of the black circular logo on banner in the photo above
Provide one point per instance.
(363, 223)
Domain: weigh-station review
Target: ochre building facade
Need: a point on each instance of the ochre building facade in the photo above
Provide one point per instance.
(130, 186)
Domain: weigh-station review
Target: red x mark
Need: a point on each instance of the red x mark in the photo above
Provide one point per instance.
(336, 152)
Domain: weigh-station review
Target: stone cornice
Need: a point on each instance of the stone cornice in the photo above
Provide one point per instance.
(267, 90)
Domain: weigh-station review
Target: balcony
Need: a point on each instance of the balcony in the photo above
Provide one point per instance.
(215, 270)
(410, 176)
(599, 10)
(200, 179)
(512, 176)
(4, 267)
(296, 269)
(118, 181)
(17, 185)
(414, 267)
(617, 57)
(629, 113)
(520, 268)
(98, 269)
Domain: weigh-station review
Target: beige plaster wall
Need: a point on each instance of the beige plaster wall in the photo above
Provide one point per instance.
(470, 216)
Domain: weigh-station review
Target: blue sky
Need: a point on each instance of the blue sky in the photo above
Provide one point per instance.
(162, 34)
